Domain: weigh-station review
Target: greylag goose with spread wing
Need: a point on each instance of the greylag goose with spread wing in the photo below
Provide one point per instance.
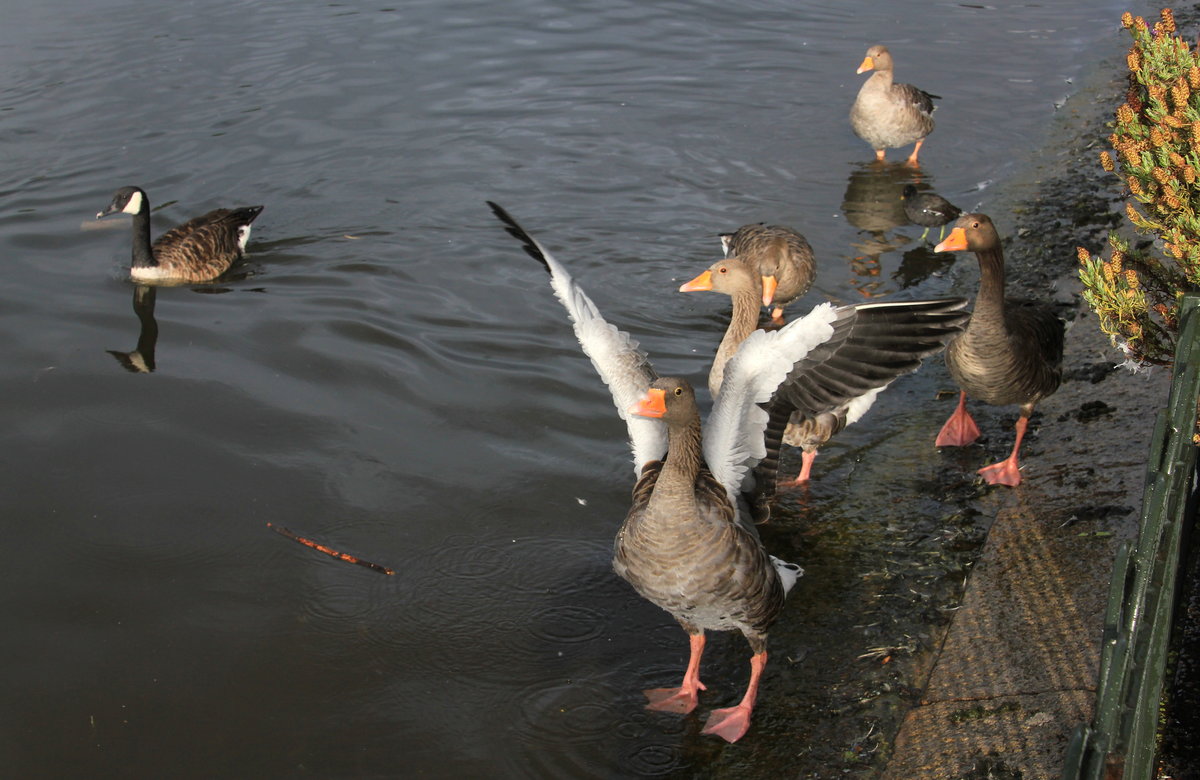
(686, 544)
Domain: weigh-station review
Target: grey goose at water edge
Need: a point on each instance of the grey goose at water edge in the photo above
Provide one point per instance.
(1010, 353)
(928, 209)
(783, 257)
(839, 379)
(685, 544)
(199, 250)
(888, 115)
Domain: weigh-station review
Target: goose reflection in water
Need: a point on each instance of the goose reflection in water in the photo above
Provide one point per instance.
(141, 359)
(872, 204)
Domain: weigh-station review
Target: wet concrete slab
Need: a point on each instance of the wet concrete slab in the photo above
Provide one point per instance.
(1017, 669)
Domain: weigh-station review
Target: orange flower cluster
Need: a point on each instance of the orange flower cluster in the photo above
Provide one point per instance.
(1156, 151)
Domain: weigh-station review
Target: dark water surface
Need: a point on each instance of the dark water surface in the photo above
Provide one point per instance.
(391, 375)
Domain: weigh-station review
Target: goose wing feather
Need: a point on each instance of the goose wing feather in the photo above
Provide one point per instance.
(206, 245)
(733, 440)
(622, 365)
(871, 345)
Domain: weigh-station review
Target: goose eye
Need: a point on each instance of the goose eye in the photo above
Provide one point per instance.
(679, 391)
(723, 270)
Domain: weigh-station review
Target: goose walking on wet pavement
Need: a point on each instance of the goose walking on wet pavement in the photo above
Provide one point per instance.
(199, 250)
(1010, 353)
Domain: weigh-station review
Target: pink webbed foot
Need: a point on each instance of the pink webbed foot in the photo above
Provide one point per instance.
(911, 162)
(681, 700)
(1006, 472)
(960, 430)
(730, 724)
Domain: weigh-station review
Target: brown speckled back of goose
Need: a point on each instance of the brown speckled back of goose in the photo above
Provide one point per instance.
(778, 250)
(203, 248)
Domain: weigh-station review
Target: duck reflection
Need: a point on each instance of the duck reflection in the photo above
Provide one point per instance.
(872, 200)
(141, 359)
(872, 204)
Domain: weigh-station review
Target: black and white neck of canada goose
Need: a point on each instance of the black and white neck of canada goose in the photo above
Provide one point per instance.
(133, 201)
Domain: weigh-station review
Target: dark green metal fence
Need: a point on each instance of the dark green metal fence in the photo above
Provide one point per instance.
(1121, 740)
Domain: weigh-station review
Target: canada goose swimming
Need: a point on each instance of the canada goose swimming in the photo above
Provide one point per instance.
(929, 210)
(888, 115)
(872, 344)
(1010, 353)
(199, 250)
(784, 260)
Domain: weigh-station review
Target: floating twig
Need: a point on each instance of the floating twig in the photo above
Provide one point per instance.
(329, 550)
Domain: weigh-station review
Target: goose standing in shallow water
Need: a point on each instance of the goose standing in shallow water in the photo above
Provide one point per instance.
(871, 345)
(686, 544)
(929, 210)
(199, 250)
(784, 260)
(1010, 353)
(887, 115)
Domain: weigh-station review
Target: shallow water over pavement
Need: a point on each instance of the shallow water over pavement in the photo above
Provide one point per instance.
(391, 375)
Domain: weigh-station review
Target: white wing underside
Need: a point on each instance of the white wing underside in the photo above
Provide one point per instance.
(862, 404)
(733, 437)
(622, 365)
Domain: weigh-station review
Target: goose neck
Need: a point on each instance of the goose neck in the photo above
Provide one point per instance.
(678, 478)
(991, 279)
(742, 323)
(143, 255)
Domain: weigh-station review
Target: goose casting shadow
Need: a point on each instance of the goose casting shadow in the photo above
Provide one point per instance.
(686, 543)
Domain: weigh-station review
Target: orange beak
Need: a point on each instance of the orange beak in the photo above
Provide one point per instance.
(652, 404)
(867, 64)
(770, 283)
(700, 283)
(955, 242)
